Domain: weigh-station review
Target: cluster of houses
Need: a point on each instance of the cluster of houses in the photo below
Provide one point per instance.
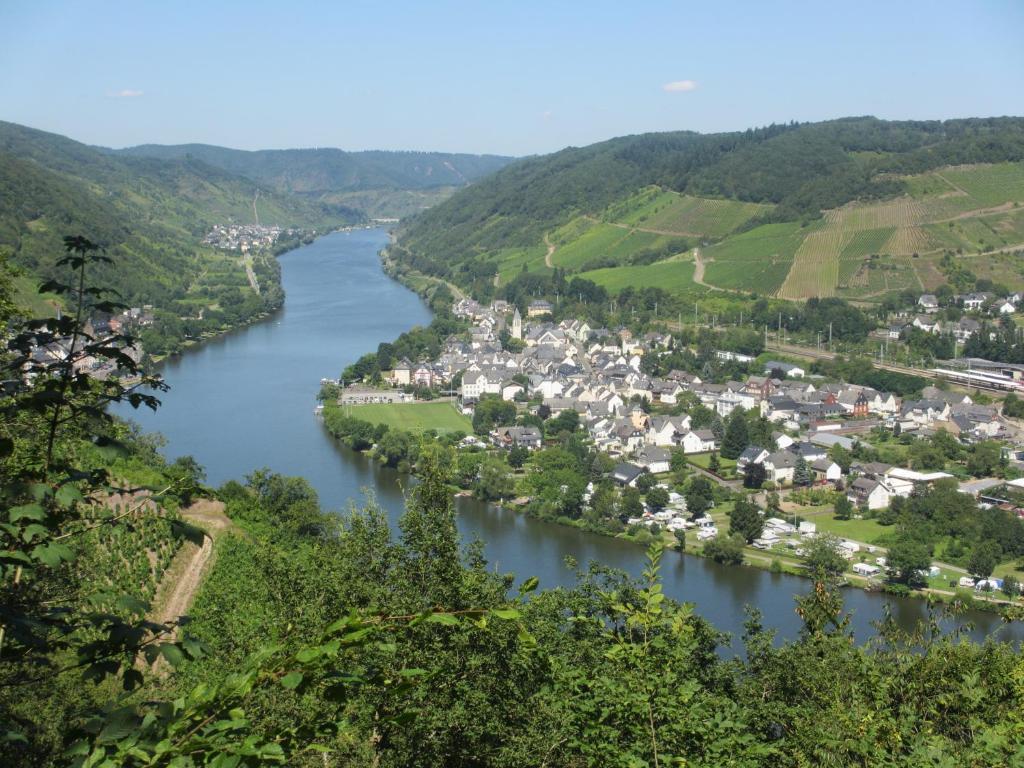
(981, 304)
(98, 328)
(244, 237)
(597, 373)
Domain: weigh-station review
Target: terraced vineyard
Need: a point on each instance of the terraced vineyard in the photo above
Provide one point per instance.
(757, 260)
(663, 211)
(860, 251)
(968, 209)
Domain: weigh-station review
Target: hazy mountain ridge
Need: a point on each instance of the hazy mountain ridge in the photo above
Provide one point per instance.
(323, 171)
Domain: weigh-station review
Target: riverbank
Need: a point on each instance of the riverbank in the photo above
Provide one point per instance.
(397, 449)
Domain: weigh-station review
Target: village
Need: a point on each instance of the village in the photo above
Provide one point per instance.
(245, 237)
(645, 423)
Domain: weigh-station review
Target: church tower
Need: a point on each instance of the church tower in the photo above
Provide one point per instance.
(517, 325)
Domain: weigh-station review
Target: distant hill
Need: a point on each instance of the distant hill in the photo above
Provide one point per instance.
(150, 214)
(793, 210)
(384, 183)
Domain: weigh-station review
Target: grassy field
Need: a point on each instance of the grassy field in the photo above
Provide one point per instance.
(868, 531)
(413, 417)
(675, 275)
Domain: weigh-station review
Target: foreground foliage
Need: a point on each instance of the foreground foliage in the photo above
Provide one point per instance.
(330, 640)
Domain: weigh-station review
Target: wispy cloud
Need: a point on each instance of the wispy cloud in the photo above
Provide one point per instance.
(546, 115)
(680, 86)
(127, 93)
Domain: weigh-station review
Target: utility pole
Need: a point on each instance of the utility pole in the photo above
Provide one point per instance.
(829, 335)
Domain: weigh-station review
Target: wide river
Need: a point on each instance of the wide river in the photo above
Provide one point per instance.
(246, 401)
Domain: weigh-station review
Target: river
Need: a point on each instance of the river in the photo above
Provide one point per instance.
(246, 400)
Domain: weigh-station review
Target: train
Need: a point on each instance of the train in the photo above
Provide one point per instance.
(980, 380)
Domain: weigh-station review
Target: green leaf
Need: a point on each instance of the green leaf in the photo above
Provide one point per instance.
(443, 618)
(68, 494)
(172, 653)
(30, 511)
(306, 655)
(529, 585)
(33, 530)
(291, 680)
(52, 554)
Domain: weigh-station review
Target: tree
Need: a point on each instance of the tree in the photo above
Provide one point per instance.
(490, 412)
(1011, 586)
(1013, 406)
(745, 520)
(727, 550)
(717, 427)
(646, 481)
(984, 558)
(754, 475)
(713, 463)
(907, 558)
(657, 498)
(493, 482)
(187, 476)
(841, 456)
(823, 557)
(680, 536)
(699, 496)
(736, 436)
(802, 475)
(517, 456)
(984, 458)
(843, 508)
(630, 504)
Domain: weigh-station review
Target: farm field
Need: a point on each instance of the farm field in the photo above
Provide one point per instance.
(674, 275)
(510, 261)
(683, 214)
(413, 417)
(756, 260)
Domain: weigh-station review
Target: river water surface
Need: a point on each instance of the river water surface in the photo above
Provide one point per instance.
(246, 401)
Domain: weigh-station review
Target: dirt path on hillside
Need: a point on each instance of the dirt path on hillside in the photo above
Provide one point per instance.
(551, 250)
(190, 565)
(668, 232)
(698, 271)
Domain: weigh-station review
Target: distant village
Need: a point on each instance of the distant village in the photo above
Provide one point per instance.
(245, 237)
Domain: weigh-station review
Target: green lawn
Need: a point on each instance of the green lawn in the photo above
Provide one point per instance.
(868, 531)
(413, 417)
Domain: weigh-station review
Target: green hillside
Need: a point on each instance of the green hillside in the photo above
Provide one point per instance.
(151, 216)
(384, 184)
(857, 207)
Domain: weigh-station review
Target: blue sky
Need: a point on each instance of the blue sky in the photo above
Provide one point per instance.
(510, 78)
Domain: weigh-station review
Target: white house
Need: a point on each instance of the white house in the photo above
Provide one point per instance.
(662, 430)
(873, 493)
(656, 460)
(780, 467)
(698, 441)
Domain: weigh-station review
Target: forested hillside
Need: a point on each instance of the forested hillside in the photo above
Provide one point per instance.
(149, 214)
(817, 201)
(376, 182)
